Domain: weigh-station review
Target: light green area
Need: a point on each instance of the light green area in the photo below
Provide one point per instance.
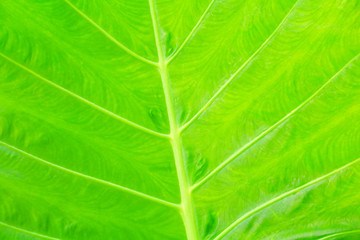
(181, 119)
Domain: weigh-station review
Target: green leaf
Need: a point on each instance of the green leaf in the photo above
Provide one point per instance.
(186, 119)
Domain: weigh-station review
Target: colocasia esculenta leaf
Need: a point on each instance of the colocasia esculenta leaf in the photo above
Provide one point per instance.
(179, 119)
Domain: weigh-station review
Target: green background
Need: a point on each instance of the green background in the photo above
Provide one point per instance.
(179, 119)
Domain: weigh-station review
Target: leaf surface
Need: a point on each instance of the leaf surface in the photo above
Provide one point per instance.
(156, 119)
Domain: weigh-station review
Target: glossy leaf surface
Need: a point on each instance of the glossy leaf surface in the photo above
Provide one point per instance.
(185, 119)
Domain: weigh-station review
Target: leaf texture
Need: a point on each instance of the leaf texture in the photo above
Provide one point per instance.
(184, 119)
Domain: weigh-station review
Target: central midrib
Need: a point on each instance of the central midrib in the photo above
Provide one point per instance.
(187, 209)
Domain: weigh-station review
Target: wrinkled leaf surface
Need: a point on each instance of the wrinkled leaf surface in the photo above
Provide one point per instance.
(185, 119)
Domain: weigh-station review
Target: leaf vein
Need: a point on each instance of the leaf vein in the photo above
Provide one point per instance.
(27, 231)
(340, 233)
(126, 49)
(187, 209)
(125, 189)
(268, 130)
(135, 125)
(192, 33)
(248, 61)
(280, 197)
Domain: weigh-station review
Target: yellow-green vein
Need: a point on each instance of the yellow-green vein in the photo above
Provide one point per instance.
(268, 130)
(125, 189)
(243, 66)
(280, 197)
(27, 231)
(126, 49)
(84, 100)
(188, 211)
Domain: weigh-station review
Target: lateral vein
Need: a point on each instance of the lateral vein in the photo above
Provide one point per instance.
(280, 197)
(125, 189)
(268, 130)
(248, 61)
(27, 231)
(135, 125)
(126, 49)
(191, 34)
(339, 234)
